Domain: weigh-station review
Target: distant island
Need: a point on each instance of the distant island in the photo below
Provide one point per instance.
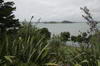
(56, 22)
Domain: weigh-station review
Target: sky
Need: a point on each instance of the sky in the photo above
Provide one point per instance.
(55, 10)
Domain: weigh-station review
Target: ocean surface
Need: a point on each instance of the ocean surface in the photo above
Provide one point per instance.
(73, 28)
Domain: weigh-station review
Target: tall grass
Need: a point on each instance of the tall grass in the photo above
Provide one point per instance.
(25, 47)
(32, 47)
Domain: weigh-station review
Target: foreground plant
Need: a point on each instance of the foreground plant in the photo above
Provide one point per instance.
(28, 46)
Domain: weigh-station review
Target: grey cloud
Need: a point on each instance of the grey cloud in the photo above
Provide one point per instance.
(53, 10)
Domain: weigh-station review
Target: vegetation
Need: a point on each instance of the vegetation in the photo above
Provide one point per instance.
(33, 46)
(7, 19)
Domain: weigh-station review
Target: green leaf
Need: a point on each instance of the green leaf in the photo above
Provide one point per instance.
(77, 65)
(51, 64)
(98, 63)
(84, 61)
(9, 58)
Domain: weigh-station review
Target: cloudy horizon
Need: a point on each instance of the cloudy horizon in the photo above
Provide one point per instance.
(55, 10)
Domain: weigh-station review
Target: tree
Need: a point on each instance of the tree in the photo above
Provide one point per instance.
(65, 36)
(73, 38)
(7, 18)
(91, 22)
(45, 32)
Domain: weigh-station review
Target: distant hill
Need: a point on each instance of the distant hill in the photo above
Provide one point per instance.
(55, 22)
(67, 22)
(58, 22)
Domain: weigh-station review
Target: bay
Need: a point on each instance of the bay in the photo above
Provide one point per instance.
(73, 28)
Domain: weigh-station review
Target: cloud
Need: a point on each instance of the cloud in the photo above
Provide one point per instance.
(55, 10)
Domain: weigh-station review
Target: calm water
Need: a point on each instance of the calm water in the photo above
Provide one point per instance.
(73, 28)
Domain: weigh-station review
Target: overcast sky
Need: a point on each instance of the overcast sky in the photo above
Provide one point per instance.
(55, 10)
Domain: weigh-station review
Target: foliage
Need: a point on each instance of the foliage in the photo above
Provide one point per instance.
(45, 32)
(65, 36)
(7, 18)
(25, 48)
(73, 38)
(56, 49)
(95, 40)
(91, 22)
(88, 52)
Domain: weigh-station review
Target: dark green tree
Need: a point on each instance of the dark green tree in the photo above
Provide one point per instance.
(7, 18)
(65, 36)
(73, 38)
(45, 32)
